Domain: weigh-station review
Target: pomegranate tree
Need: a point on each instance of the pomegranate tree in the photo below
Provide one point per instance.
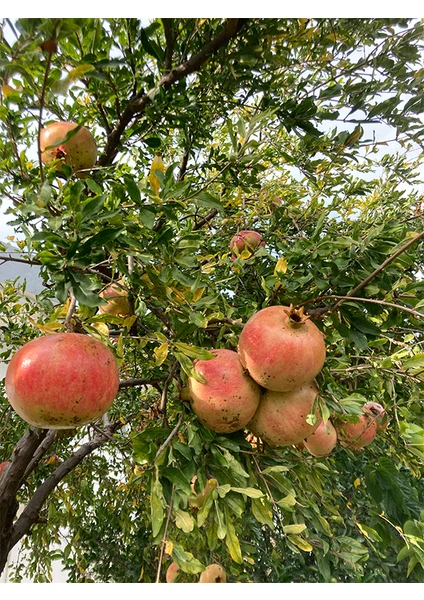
(322, 441)
(229, 398)
(79, 152)
(281, 348)
(281, 416)
(245, 240)
(117, 301)
(357, 435)
(62, 381)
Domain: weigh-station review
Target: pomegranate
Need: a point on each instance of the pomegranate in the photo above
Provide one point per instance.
(62, 381)
(357, 435)
(375, 409)
(281, 416)
(3, 466)
(229, 398)
(117, 301)
(172, 572)
(246, 240)
(80, 152)
(281, 348)
(322, 441)
(213, 573)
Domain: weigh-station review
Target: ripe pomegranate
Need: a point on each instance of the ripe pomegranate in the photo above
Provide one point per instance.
(281, 348)
(80, 152)
(281, 416)
(245, 240)
(375, 409)
(322, 441)
(117, 298)
(62, 381)
(357, 435)
(3, 466)
(213, 573)
(229, 398)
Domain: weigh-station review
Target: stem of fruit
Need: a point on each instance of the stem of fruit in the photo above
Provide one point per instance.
(71, 308)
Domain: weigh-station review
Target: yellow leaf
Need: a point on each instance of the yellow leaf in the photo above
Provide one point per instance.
(300, 543)
(357, 482)
(129, 321)
(281, 266)
(7, 90)
(198, 294)
(157, 165)
(102, 328)
(138, 470)
(161, 353)
(169, 546)
(47, 328)
(79, 72)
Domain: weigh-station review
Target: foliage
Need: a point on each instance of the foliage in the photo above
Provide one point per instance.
(206, 127)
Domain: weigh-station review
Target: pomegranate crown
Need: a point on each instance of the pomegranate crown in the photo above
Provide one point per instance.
(296, 316)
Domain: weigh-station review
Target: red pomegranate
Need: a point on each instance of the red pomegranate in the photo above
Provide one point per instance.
(245, 240)
(322, 441)
(62, 381)
(80, 152)
(281, 416)
(357, 435)
(229, 398)
(375, 409)
(3, 466)
(281, 348)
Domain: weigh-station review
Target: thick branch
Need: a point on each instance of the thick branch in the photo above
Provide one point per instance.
(31, 513)
(170, 41)
(138, 104)
(13, 477)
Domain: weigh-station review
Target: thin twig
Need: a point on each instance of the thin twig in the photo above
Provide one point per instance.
(162, 404)
(389, 260)
(162, 550)
(412, 311)
(169, 438)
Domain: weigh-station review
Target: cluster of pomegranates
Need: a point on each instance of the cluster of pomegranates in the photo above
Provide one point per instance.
(268, 387)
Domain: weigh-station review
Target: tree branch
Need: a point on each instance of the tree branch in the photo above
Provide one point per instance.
(170, 41)
(138, 104)
(31, 513)
(378, 270)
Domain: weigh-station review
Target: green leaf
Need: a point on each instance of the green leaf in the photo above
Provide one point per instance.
(184, 521)
(177, 478)
(219, 518)
(157, 504)
(186, 561)
(297, 528)
(262, 511)
(251, 492)
(208, 200)
(132, 189)
(233, 543)
(194, 351)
